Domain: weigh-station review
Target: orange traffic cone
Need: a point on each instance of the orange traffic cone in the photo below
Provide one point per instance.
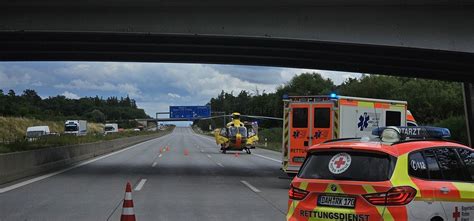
(167, 148)
(186, 152)
(236, 154)
(127, 211)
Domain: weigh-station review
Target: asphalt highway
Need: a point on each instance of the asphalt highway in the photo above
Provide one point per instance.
(180, 176)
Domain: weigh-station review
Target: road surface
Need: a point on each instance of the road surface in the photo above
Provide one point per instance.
(191, 181)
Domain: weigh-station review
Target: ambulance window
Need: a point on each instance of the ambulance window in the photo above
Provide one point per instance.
(393, 118)
(300, 117)
(417, 166)
(322, 117)
(467, 157)
(433, 167)
(450, 166)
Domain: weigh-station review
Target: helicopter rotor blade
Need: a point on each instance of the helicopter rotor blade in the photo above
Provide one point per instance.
(207, 118)
(249, 116)
(262, 117)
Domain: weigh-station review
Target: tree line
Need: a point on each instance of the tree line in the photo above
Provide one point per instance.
(432, 102)
(30, 105)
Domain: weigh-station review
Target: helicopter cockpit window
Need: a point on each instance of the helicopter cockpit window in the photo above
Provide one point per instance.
(223, 132)
(232, 131)
(251, 132)
(243, 131)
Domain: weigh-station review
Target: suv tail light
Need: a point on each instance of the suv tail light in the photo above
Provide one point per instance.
(297, 194)
(401, 195)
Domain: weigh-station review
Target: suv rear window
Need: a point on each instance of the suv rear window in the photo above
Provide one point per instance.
(364, 166)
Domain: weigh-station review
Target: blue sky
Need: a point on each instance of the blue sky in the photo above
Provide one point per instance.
(155, 86)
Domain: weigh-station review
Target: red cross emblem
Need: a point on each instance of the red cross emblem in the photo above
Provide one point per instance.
(340, 162)
(456, 214)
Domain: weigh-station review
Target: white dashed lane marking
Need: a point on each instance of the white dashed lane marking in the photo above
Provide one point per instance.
(250, 186)
(268, 158)
(140, 185)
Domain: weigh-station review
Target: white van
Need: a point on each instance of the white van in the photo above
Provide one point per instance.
(33, 133)
(110, 128)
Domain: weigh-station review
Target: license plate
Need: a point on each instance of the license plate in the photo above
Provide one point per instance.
(336, 201)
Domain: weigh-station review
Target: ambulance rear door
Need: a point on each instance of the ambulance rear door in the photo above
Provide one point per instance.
(300, 134)
(322, 122)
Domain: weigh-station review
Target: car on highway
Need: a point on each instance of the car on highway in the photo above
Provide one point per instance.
(111, 128)
(35, 132)
(405, 173)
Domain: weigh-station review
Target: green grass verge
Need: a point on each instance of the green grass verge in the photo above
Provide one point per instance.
(199, 131)
(64, 140)
(14, 128)
(273, 136)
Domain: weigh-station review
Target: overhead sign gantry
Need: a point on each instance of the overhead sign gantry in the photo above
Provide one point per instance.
(189, 112)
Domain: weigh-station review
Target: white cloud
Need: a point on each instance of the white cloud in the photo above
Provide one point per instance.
(79, 84)
(173, 95)
(70, 95)
(13, 79)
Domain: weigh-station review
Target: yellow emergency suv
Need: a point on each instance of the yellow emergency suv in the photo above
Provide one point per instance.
(405, 173)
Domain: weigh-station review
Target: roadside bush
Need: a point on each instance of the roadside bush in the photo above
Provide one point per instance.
(457, 126)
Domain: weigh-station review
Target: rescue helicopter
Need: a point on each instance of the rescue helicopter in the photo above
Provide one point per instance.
(238, 135)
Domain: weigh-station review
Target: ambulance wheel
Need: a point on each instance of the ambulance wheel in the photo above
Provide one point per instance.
(437, 219)
(248, 151)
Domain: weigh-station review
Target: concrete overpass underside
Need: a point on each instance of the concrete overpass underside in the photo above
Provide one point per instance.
(418, 38)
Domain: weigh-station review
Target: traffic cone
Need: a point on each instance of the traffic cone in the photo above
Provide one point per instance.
(236, 154)
(186, 152)
(127, 211)
(167, 148)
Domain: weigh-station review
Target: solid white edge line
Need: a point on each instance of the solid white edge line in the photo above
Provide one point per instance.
(154, 164)
(140, 185)
(26, 182)
(268, 158)
(250, 186)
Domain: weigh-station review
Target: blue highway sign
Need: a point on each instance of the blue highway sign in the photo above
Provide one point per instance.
(190, 112)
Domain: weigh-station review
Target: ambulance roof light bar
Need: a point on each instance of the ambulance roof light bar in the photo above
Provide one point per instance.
(393, 134)
(310, 98)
